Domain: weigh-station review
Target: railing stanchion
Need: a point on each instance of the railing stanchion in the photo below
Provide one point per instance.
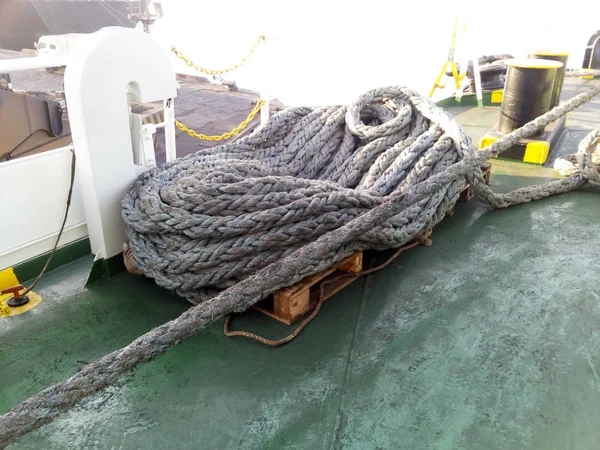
(170, 145)
(264, 93)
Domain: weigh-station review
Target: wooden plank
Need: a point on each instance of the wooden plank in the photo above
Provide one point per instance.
(348, 264)
(291, 307)
(289, 303)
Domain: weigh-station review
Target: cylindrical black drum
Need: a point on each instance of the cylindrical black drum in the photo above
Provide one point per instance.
(527, 92)
(560, 73)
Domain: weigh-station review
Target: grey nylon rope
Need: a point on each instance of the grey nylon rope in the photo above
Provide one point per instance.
(205, 222)
(378, 184)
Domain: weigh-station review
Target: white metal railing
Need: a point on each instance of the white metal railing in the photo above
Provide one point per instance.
(34, 62)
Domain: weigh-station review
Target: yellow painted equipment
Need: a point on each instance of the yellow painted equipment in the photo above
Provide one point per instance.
(450, 62)
(534, 152)
(497, 96)
(8, 279)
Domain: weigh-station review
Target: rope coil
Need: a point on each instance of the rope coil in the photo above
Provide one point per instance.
(207, 221)
(223, 214)
(403, 152)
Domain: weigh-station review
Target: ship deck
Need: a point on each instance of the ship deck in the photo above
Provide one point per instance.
(488, 339)
(204, 106)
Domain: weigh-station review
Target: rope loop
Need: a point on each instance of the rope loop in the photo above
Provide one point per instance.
(387, 107)
(586, 162)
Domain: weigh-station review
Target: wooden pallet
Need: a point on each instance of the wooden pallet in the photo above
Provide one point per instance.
(288, 304)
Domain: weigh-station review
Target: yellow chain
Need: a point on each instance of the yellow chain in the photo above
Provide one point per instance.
(227, 135)
(218, 72)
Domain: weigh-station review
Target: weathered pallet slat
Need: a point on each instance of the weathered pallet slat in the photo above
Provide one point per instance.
(288, 304)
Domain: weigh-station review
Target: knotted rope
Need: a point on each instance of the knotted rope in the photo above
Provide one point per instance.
(378, 184)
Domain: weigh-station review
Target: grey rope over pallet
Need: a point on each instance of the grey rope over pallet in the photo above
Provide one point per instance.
(426, 157)
(209, 220)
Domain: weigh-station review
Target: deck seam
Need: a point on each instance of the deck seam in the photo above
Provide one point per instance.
(338, 421)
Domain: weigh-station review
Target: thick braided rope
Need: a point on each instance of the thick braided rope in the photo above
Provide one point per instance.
(209, 220)
(48, 404)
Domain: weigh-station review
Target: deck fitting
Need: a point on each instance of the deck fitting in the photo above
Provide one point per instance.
(17, 299)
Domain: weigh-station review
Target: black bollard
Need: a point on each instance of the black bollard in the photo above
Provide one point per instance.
(560, 72)
(531, 90)
(527, 92)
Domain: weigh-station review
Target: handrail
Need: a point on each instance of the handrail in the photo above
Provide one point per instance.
(34, 62)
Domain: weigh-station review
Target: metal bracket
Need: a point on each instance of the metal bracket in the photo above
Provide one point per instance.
(142, 141)
(55, 113)
(147, 145)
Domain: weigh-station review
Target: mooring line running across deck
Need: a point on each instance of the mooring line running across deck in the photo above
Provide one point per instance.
(48, 404)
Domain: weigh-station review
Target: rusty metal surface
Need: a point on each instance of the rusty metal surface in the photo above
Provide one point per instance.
(29, 124)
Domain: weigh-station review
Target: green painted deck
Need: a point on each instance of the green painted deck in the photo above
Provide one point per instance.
(489, 339)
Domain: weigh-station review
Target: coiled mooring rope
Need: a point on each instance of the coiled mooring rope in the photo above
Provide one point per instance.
(420, 185)
(205, 222)
(209, 220)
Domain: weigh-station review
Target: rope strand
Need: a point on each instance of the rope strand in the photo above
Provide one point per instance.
(302, 258)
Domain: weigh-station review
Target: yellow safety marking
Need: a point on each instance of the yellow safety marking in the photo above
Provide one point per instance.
(588, 77)
(486, 142)
(534, 63)
(190, 63)
(154, 118)
(537, 152)
(9, 279)
(497, 96)
(551, 53)
(227, 135)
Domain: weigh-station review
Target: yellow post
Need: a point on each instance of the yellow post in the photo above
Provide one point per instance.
(457, 77)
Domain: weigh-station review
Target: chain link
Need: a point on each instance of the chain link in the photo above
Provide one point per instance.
(227, 135)
(190, 63)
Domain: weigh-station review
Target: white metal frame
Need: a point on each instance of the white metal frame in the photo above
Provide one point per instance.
(114, 66)
(30, 63)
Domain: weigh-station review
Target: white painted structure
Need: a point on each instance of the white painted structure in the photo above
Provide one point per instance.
(118, 65)
(18, 64)
(33, 197)
(115, 66)
(60, 44)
